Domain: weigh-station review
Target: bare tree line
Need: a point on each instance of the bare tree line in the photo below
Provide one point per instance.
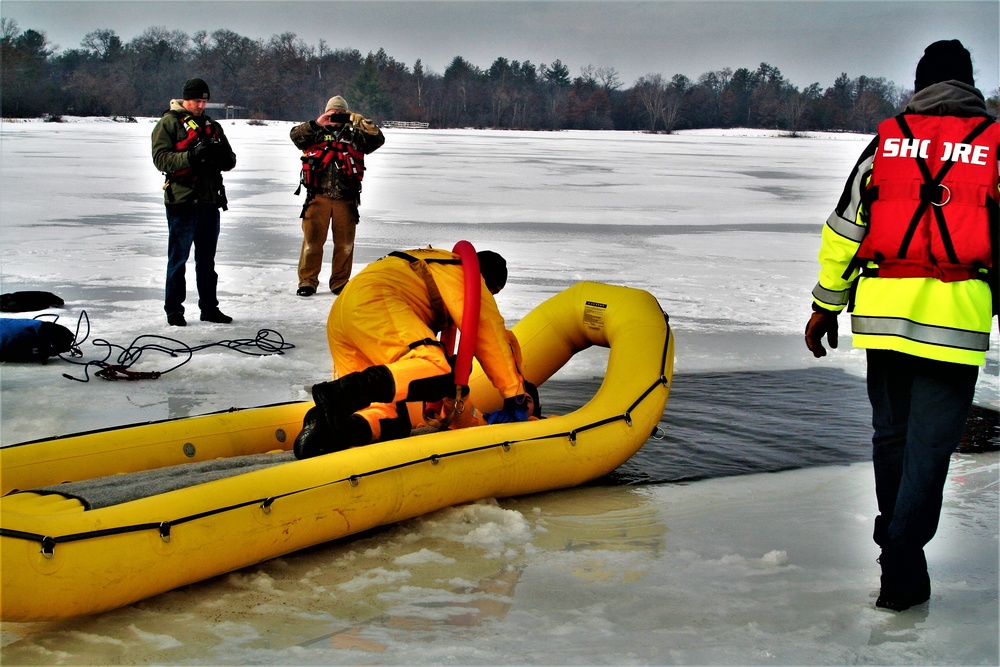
(284, 78)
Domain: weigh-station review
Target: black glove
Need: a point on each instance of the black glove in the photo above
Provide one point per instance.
(200, 154)
(222, 158)
(823, 322)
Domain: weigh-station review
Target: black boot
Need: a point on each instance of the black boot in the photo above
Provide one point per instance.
(356, 432)
(317, 437)
(905, 582)
(313, 437)
(341, 398)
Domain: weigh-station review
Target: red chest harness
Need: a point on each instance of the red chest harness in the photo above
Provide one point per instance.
(931, 201)
(195, 134)
(333, 148)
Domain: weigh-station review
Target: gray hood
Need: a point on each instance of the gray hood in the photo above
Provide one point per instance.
(948, 98)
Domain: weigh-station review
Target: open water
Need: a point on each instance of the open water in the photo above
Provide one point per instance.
(734, 423)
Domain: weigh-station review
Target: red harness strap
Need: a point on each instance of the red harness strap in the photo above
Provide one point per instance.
(334, 148)
(441, 414)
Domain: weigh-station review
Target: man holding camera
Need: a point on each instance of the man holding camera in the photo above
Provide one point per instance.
(192, 152)
(333, 163)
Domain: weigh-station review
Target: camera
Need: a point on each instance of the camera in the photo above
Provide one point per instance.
(339, 117)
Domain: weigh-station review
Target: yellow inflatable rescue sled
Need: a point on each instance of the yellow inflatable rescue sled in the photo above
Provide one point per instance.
(94, 521)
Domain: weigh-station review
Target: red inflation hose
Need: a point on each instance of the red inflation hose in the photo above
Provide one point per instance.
(469, 327)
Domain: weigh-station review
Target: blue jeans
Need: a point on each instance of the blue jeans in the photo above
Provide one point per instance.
(192, 224)
(919, 410)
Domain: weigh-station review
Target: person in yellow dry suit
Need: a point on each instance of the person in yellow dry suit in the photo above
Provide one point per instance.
(381, 331)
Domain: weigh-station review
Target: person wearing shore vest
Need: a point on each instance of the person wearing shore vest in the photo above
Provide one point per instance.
(333, 165)
(911, 252)
(382, 336)
(192, 151)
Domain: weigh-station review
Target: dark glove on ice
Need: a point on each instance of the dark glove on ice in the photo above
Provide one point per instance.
(515, 409)
(822, 323)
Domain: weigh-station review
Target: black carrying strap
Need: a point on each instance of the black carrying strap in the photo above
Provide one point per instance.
(430, 260)
(221, 192)
(432, 342)
(305, 204)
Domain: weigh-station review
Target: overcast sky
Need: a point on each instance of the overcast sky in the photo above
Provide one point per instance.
(812, 41)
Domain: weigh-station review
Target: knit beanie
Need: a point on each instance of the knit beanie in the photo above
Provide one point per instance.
(195, 89)
(493, 269)
(944, 61)
(337, 103)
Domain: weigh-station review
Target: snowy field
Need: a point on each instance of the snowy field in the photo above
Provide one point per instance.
(722, 227)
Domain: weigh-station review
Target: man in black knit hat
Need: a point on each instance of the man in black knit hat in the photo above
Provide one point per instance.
(910, 251)
(192, 152)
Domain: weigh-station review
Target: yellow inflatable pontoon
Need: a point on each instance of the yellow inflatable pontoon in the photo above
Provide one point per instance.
(64, 554)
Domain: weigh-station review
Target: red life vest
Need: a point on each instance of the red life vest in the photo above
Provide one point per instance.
(334, 148)
(931, 198)
(195, 133)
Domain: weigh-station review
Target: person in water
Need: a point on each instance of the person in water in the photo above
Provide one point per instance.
(382, 337)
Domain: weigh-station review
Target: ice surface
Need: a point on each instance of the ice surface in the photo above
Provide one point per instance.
(723, 227)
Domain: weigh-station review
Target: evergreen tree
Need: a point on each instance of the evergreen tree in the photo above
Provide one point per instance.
(285, 78)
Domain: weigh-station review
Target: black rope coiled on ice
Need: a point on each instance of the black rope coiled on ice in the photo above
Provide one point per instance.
(267, 342)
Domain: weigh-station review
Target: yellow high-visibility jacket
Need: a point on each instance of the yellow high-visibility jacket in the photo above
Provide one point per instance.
(925, 317)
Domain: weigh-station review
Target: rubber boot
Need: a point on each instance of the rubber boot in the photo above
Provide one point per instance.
(311, 440)
(339, 399)
(317, 438)
(399, 427)
(356, 432)
(904, 582)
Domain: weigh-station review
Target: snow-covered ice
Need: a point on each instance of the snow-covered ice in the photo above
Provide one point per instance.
(723, 227)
